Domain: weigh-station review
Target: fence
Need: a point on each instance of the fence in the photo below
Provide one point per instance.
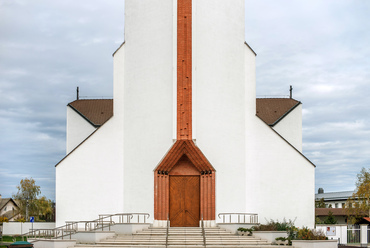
(353, 234)
(17, 228)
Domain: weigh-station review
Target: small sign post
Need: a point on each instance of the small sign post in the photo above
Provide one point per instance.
(32, 219)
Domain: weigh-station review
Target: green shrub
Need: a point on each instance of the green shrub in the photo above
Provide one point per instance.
(310, 234)
(275, 226)
(242, 229)
(281, 238)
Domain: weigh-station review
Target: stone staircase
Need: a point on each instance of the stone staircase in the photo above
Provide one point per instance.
(216, 237)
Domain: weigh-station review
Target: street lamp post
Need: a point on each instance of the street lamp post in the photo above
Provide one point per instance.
(27, 209)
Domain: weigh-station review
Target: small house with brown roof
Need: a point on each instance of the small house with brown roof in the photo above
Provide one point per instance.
(8, 208)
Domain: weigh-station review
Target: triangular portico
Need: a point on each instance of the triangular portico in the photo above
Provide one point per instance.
(184, 160)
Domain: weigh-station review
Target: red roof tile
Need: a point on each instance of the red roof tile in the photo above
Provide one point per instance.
(367, 219)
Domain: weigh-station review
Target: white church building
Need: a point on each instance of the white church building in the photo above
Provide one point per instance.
(184, 136)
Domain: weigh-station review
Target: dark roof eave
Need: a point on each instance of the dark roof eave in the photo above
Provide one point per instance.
(255, 54)
(87, 119)
(9, 199)
(80, 144)
(283, 116)
(118, 48)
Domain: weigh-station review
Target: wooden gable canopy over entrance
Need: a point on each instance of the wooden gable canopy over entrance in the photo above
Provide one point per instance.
(188, 148)
(184, 159)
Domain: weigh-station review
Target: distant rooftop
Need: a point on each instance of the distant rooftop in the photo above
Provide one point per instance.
(334, 196)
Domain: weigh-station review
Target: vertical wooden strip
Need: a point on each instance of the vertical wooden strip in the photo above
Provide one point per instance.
(167, 198)
(205, 196)
(209, 196)
(201, 196)
(155, 196)
(184, 69)
(213, 213)
(162, 197)
(164, 214)
(159, 198)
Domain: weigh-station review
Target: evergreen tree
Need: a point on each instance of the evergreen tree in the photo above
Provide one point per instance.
(330, 219)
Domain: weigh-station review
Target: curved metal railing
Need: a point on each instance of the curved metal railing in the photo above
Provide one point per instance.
(104, 222)
(238, 218)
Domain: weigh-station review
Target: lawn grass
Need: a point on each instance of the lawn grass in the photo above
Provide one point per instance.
(10, 239)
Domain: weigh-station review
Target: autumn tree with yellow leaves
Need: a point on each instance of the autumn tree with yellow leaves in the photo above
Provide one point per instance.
(358, 205)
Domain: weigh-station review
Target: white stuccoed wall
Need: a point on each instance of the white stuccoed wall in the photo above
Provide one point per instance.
(147, 97)
(90, 180)
(19, 228)
(280, 180)
(290, 127)
(78, 129)
(257, 171)
(220, 96)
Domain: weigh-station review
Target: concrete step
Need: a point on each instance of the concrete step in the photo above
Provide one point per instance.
(176, 246)
(181, 237)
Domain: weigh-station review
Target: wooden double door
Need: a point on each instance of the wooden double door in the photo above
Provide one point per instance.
(184, 194)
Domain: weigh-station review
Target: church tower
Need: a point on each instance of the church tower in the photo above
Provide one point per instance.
(184, 141)
(178, 54)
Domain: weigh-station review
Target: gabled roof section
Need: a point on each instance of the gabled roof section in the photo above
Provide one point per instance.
(4, 201)
(272, 110)
(95, 111)
(188, 148)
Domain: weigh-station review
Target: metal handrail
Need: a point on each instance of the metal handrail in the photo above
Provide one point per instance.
(168, 226)
(203, 233)
(52, 233)
(72, 227)
(128, 216)
(239, 218)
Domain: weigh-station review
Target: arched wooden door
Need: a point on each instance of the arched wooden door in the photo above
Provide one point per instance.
(184, 201)
(184, 186)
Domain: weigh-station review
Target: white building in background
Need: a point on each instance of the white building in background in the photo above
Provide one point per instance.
(333, 199)
(183, 138)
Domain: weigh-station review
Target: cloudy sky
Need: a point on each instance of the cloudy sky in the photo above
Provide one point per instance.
(48, 48)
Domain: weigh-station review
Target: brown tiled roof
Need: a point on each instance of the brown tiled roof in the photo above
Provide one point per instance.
(4, 201)
(188, 148)
(272, 110)
(325, 211)
(95, 111)
(98, 111)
